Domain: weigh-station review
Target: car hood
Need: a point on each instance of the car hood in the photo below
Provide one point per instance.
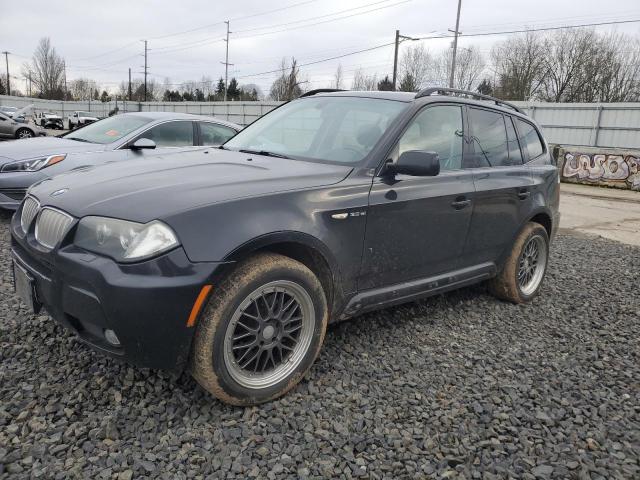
(43, 146)
(162, 186)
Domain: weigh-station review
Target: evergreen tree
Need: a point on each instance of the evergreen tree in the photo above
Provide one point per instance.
(385, 84)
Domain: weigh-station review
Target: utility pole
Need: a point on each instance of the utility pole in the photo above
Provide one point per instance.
(145, 70)
(395, 60)
(226, 64)
(399, 38)
(129, 83)
(64, 67)
(6, 59)
(455, 46)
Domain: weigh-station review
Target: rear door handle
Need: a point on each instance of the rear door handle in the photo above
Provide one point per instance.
(460, 203)
(523, 194)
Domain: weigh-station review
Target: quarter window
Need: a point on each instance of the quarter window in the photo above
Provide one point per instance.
(530, 139)
(214, 134)
(171, 134)
(489, 138)
(436, 129)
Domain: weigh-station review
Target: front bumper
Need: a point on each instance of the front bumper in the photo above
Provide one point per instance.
(146, 304)
(14, 185)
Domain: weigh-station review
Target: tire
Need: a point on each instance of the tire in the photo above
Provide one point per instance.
(24, 133)
(522, 275)
(237, 326)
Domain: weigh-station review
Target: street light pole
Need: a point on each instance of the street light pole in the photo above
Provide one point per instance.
(455, 46)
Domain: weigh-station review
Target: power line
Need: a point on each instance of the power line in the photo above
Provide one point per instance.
(325, 21)
(313, 18)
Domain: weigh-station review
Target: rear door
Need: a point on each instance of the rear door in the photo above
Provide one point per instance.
(503, 184)
(213, 134)
(417, 226)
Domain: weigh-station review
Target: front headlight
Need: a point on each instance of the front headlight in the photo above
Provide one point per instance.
(122, 240)
(33, 164)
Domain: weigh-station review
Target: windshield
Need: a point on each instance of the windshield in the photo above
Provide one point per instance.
(8, 109)
(331, 129)
(108, 130)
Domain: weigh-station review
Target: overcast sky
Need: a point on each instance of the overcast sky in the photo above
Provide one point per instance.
(101, 40)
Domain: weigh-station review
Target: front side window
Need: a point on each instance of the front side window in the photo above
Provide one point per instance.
(436, 129)
(109, 129)
(214, 134)
(171, 134)
(530, 139)
(333, 129)
(489, 138)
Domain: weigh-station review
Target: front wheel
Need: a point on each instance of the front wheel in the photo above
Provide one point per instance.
(522, 274)
(261, 331)
(24, 133)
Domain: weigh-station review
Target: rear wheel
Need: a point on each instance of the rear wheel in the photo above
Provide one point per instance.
(261, 331)
(24, 133)
(522, 274)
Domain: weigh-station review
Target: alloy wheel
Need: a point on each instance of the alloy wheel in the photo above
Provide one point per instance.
(532, 265)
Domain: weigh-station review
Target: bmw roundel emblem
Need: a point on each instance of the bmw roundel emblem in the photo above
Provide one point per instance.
(59, 192)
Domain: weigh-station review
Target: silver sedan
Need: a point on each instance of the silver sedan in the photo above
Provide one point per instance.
(129, 136)
(10, 128)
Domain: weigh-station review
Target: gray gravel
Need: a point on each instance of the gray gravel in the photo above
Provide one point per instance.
(457, 386)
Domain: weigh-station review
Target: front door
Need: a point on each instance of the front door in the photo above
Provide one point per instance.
(417, 226)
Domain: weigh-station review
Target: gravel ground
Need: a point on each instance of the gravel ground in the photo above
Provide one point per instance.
(456, 386)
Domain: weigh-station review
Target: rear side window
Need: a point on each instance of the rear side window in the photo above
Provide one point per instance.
(171, 134)
(529, 139)
(515, 155)
(489, 136)
(214, 134)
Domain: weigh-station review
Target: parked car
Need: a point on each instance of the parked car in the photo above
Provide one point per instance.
(17, 129)
(78, 119)
(332, 205)
(129, 136)
(8, 111)
(48, 120)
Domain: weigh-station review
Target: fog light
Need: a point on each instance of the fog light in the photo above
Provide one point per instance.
(111, 337)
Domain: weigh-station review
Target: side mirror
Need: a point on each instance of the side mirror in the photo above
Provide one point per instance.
(143, 144)
(417, 163)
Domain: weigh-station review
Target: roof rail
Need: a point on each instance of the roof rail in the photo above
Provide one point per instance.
(455, 91)
(320, 90)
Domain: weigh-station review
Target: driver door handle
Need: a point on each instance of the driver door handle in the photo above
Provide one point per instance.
(523, 194)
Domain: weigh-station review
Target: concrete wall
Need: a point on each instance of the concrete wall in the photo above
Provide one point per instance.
(608, 167)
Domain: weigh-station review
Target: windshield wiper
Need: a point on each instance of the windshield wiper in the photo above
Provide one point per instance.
(263, 152)
(78, 139)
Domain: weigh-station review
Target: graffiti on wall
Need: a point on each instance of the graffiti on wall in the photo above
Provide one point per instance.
(617, 170)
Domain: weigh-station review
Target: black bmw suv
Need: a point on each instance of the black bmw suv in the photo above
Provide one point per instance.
(232, 261)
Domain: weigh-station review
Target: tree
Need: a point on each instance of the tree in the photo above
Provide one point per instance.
(485, 87)
(338, 78)
(415, 67)
(469, 68)
(385, 84)
(220, 88)
(233, 92)
(519, 65)
(82, 88)
(364, 82)
(3, 88)
(46, 70)
(105, 97)
(287, 85)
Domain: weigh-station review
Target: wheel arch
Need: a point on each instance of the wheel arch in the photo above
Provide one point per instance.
(302, 247)
(543, 218)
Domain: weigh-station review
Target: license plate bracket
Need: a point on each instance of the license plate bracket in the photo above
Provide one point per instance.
(24, 286)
